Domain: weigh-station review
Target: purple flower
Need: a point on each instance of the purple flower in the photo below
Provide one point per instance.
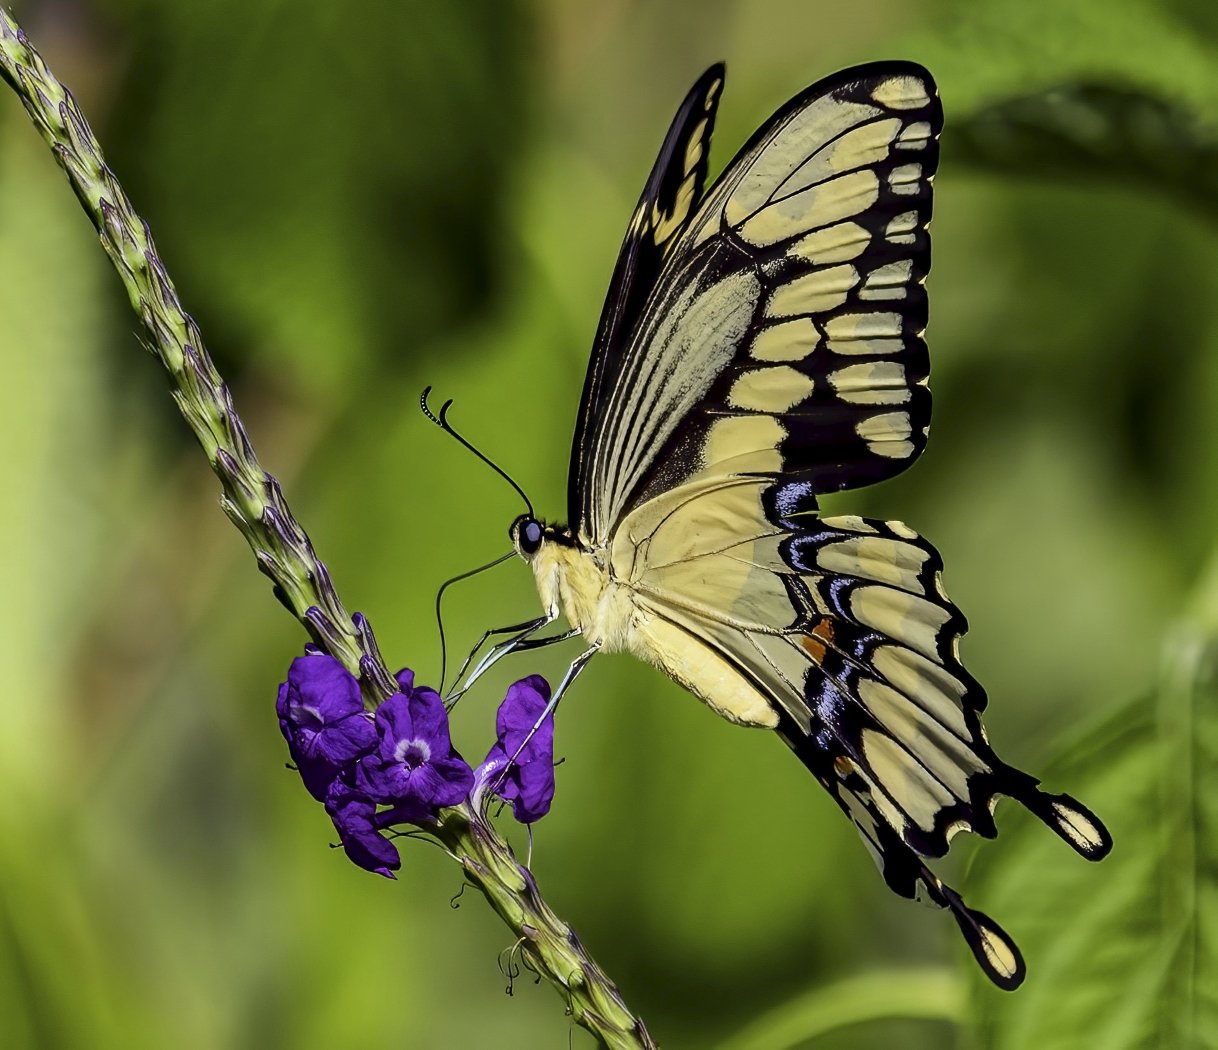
(528, 782)
(354, 817)
(322, 717)
(414, 768)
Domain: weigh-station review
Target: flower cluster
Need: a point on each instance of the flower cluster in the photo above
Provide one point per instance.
(397, 765)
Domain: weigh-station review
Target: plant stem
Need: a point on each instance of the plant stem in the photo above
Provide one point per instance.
(254, 502)
(550, 945)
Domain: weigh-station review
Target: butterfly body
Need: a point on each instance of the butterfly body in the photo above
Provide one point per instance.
(761, 344)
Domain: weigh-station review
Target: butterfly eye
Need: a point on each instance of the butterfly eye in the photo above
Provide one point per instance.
(527, 534)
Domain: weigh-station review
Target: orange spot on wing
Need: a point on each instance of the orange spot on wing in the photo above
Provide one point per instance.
(815, 648)
(814, 642)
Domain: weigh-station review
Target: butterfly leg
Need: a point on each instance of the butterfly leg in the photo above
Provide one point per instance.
(577, 665)
(517, 643)
(521, 630)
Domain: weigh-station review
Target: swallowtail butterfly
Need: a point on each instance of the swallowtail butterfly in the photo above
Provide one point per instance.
(761, 344)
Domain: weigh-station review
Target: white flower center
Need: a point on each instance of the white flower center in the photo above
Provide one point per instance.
(412, 753)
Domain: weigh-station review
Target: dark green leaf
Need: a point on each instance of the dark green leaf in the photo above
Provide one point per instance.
(1098, 132)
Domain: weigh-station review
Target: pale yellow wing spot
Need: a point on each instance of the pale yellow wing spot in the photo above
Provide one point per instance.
(935, 689)
(666, 223)
(861, 146)
(875, 558)
(813, 293)
(825, 203)
(998, 951)
(930, 745)
(916, 621)
(887, 434)
(1077, 827)
(732, 436)
(889, 281)
(915, 135)
(901, 93)
(797, 139)
(696, 146)
(904, 178)
(785, 341)
(914, 791)
(833, 244)
(776, 389)
(864, 326)
(851, 523)
(871, 383)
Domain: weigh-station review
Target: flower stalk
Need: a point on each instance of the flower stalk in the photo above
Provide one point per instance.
(550, 946)
(254, 502)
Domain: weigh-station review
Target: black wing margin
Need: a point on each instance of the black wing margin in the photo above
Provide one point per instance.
(669, 199)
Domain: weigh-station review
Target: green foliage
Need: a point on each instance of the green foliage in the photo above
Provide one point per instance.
(1137, 948)
(924, 995)
(356, 203)
(1102, 133)
(986, 53)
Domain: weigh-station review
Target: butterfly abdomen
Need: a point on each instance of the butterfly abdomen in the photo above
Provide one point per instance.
(678, 650)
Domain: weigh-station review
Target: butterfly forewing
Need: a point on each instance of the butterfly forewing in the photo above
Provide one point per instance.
(794, 294)
(668, 201)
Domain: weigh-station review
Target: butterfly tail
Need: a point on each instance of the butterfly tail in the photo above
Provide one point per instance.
(997, 954)
(1081, 829)
(902, 867)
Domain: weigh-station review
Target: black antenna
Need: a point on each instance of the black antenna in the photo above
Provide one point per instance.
(440, 597)
(442, 422)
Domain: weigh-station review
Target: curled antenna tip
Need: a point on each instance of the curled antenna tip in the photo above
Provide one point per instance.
(427, 409)
(442, 422)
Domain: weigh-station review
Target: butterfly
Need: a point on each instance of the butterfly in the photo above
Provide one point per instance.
(760, 345)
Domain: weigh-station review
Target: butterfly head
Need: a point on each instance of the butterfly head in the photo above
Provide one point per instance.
(527, 534)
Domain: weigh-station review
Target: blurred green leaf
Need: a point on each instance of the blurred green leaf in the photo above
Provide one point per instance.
(339, 177)
(924, 995)
(1061, 90)
(986, 53)
(1096, 131)
(1124, 955)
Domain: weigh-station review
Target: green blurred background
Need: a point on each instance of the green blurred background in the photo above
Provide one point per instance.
(359, 200)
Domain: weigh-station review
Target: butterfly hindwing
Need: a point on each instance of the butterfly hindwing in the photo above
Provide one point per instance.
(837, 633)
(792, 296)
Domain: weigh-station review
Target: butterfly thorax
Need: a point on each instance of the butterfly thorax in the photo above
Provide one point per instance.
(576, 581)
